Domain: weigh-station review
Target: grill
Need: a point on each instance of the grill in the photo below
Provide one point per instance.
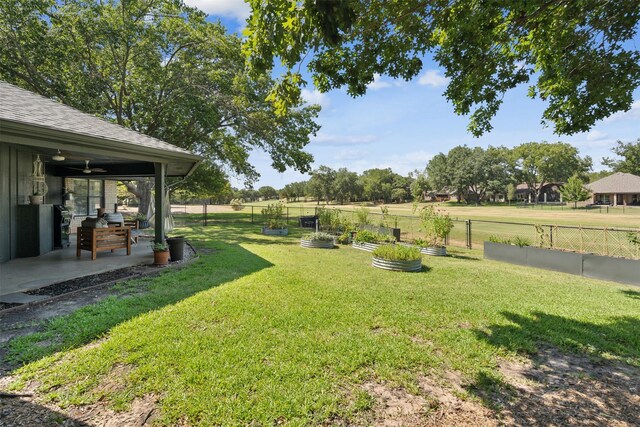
(61, 226)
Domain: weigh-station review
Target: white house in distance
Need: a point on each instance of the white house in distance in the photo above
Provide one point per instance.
(617, 189)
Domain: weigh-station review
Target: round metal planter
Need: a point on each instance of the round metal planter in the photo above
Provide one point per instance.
(275, 231)
(317, 244)
(434, 251)
(411, 265)
(369, 247)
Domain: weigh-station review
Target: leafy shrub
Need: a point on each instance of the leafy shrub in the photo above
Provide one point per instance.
(330, 219)
(634, 238)
(274, 216)
(366, 236)
(236, 204)
(362, 216)
(323, 237)
(496, 239)
(435, 225)
(521, 241)
(397, 253)
(344, 238)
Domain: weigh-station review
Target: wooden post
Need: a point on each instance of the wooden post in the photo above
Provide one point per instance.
(161, 169)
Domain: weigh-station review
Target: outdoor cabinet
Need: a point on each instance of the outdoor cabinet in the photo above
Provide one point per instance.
(35, 230)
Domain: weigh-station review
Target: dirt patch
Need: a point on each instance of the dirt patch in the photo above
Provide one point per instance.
(436, 405)
(566, 389)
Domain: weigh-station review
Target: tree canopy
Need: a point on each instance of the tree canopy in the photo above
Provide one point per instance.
(155, 66)
(578, 56)
(629, 160)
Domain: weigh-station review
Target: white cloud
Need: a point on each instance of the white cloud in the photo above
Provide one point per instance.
(350, 154)
(237, 9)
(378, 83)
(433, 78)
(596, 135)
(632, 113)
(315, 97)
(337, 140)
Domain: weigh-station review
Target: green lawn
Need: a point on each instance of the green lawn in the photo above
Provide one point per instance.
(259, 330)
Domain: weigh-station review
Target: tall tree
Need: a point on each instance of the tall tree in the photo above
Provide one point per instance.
(377, 184)
(323, 178)
(574, 191)
(346, 186)
(267, 192)
(420, 185)
(541, 163)
(155, 66)
(630, 158)
(578, 56)
(438, 173)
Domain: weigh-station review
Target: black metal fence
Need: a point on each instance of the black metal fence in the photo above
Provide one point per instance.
(465, 233)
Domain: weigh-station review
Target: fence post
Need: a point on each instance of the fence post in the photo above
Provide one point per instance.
(551, 236)
(251, 214)
(469, 244)
(287, 219)
(606, 245)
(205, 214)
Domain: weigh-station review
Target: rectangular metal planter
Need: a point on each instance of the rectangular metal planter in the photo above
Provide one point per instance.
(503, 252)
(619, 270)
(549, 259)
(275, 231)
(608, 268)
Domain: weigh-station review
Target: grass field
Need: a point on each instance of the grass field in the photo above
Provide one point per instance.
(259, 331)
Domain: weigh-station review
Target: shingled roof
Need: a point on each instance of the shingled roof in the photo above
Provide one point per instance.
(23, 107)
(619, 183)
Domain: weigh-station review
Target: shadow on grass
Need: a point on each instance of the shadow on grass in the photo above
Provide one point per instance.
(631, 294)
(556, 387)
(22, 412)
(224, 263)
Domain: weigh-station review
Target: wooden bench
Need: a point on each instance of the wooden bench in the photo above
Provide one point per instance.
(103, 239)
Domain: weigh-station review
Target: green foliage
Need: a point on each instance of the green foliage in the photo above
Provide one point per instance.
(498, 239)
(366, 236)
(330, 219)
(267, 192)
(435, 225)
(237, 204)
(511, 192)
(344, 238)
(323, 237)
(630, 158)
(521, 241)
(159, 247)
(397, 253)
(346, 186)
(274, 216)
(578, 57)
(540, 163)
(158, 67)
(634, 237)
(362, 216)
(574, 191)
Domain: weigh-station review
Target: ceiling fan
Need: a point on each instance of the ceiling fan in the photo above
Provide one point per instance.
(87, 169)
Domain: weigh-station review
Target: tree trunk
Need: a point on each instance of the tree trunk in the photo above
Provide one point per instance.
(142, 189)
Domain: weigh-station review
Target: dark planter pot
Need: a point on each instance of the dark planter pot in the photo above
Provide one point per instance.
(161, 257)
(275, 231)
(395, 232)
(176, 248)
(308, 221)
(508, 253)
(143, 223)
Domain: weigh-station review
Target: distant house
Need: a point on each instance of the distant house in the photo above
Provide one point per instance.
(617, 189)
(550, 193)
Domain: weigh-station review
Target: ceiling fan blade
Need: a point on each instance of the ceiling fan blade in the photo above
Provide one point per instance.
(99, 170)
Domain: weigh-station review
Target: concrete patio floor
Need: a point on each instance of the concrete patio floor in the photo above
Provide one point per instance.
(24, 274)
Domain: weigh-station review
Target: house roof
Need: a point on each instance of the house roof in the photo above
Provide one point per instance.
(618, 182)
(31, 118)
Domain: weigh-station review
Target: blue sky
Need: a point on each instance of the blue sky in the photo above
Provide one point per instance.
(402, 124)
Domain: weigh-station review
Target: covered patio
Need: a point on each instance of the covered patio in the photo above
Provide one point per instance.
(71, 148)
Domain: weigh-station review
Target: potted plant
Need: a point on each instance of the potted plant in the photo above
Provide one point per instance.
(36, 198)
(436, 227)
(143, 222)
(236, 204)
(160, 253)
(275, 224)
(318, 240)
(397, 258)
